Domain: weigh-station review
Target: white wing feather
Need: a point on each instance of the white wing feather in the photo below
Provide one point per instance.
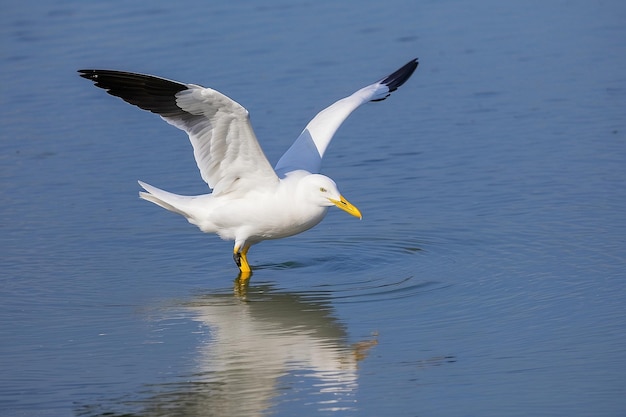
(308, 150)
(225, 147)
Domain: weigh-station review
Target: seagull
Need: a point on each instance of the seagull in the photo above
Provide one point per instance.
(250, 201)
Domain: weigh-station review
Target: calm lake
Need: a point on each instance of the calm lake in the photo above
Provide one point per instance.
(487, 277)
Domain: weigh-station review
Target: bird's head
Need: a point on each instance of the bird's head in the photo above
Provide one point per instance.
(324, 192)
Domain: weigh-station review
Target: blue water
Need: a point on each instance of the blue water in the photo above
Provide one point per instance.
(487, 277)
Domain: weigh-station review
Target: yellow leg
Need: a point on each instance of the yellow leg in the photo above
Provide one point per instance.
(241, 259)
(245, 266)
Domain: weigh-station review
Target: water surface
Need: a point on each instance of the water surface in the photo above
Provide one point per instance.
(485, 279)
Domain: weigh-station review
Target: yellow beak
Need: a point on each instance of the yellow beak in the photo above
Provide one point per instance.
(346, 206)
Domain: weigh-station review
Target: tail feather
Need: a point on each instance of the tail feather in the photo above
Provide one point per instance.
(169, 201)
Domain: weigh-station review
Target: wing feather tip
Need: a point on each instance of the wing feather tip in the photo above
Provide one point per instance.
(399, 77)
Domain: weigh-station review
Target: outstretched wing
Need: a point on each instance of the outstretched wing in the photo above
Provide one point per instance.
(308, 150)
(225, 147)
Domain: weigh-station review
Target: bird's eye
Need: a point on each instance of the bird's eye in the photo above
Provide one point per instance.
(322, 189)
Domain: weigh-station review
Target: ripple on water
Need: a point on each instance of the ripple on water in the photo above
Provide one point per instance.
(365, 270)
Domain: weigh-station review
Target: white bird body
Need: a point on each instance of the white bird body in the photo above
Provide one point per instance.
(283, 212)
(250, 201)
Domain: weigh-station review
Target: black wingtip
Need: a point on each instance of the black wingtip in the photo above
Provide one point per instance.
(399, 77)
(148, 92)
(91, 75)
(87, 73)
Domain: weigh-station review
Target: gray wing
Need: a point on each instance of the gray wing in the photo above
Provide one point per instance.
(308, 150)
(225, 147)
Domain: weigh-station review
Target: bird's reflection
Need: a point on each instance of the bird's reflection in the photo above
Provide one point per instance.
(264, 349)
(265, 342)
